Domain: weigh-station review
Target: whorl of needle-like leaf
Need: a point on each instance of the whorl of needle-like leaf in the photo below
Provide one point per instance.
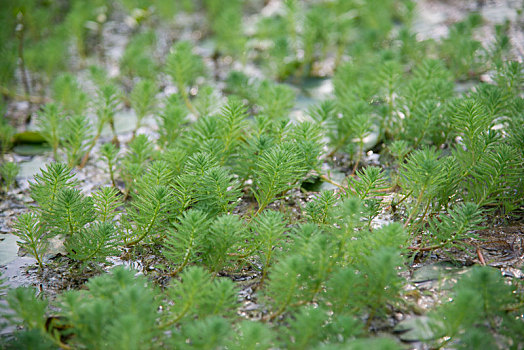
(77, 131)
(142, 97)
(48, 123)
(31, 236)
(275, 100)
(457, 224)
(217, 191)
(277, 170)
(149, 213)
(108, 98)
(319, 208)
(106, 200)
(470, 119)
(93, 243)
(183, 244)
(369, 182)
(196, 294)
(226, 235)
(233, 119)
(199, 163)
(183, 65)
(49, 182)
(496, 177)
(422, 172)
(70, 213)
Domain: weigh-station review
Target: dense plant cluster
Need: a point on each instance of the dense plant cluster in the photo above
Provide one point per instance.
(210, 192)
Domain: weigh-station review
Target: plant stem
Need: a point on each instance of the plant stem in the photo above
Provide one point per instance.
(361, 149)
(328, 180)
(111, 173)
(426, 249)
(338, 146)
(264, 270)
(402, 200)
(20, 34)
(412, 214)
(185, 97)
(113, 130)
(176, 319)
(91, 146)
(33, 99)
(147, 230)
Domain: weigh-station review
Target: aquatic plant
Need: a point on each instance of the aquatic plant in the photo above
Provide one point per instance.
(230, 208)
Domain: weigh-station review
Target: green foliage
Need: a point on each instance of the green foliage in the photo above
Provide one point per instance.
(105, 202)
(84, 222)
(134, 162)
(80, 19)
(249, 152)
(375, 283)
(473, 122)
(8, 173)
(308, 137)
(117, 310)
(373, 343)
(71, 211)
(208, 333)
(196, 294)
(227, 27)
(253, 336)
(31, 235)
(142, 99)
(184, 67)
(137, 59)
(109, 154)
(207, 101)
(185, 242)
(457, 225)
(463, 54)
(107, 100)
(369, 182)
(29, 310)
(369, 185)
(456, 319)
(275, 100)
(50, 125)
(422, 174)
(399, 149)
(306, 328)
(148, 214)
(47, 184)
(270, 227)
(318, 209)
(6, 135)
(278, 169)
(510, 77)
(317, 28)
(68, 93)
(225, 237)
(93, 243)
(217, 191)
(199, 191)
(232, 124)
(171, 120)
(495, 177)
(48, 56)
(77, 132)
(284, 283)
(238, 84)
